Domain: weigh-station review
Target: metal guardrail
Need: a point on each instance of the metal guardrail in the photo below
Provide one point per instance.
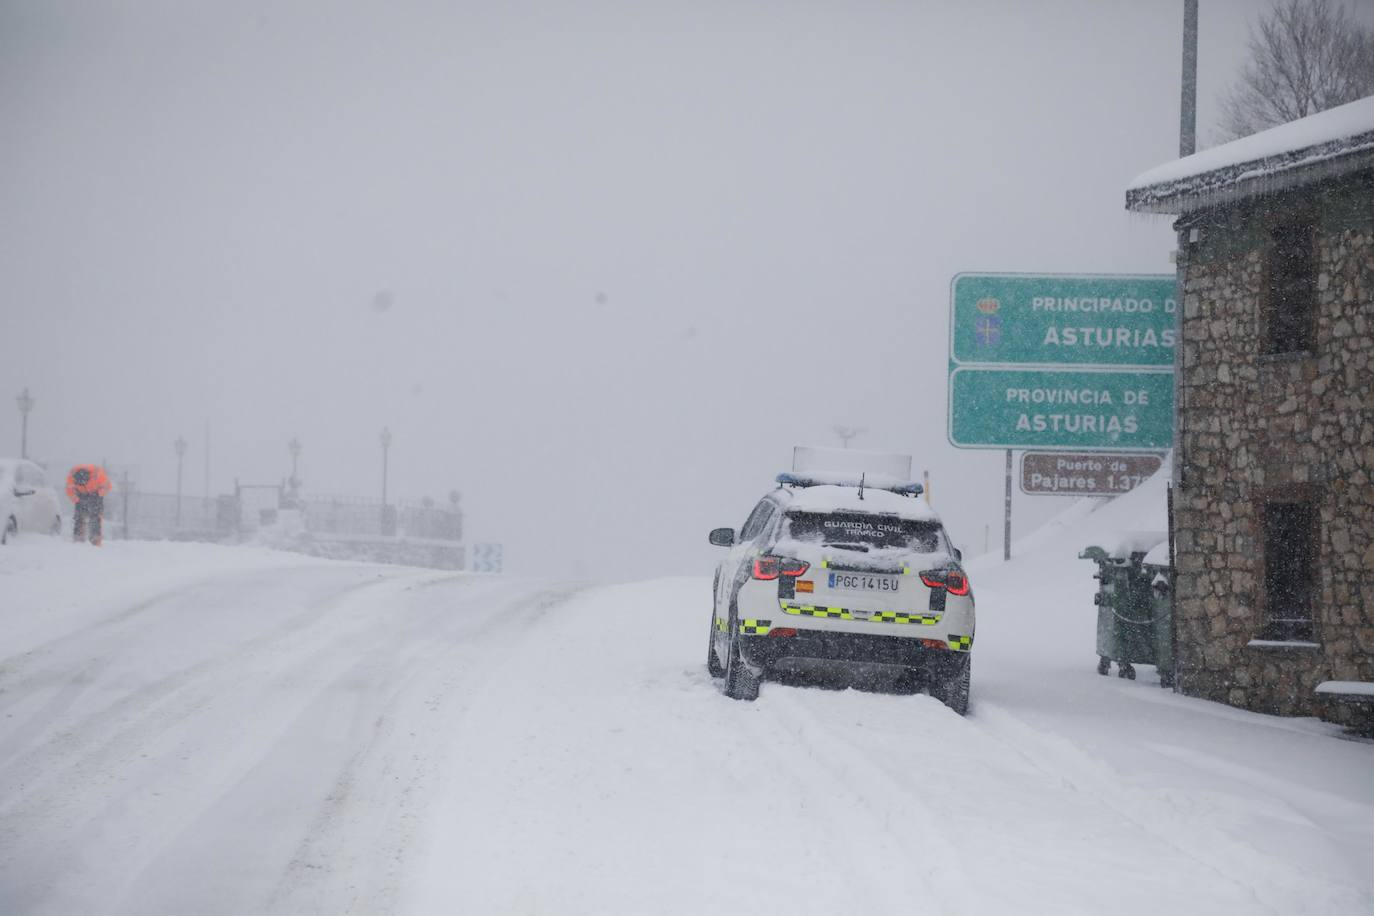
(157, 516)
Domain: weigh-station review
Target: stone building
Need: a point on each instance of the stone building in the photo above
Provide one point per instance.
(1274, 458)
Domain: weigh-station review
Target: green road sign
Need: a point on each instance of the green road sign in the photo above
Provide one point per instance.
(1062, 320)
(1077, 409)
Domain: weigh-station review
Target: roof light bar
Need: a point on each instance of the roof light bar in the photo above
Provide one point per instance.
(902, 487)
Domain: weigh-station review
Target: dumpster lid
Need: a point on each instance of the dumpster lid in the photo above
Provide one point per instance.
(1127, 544)
(1158, 555)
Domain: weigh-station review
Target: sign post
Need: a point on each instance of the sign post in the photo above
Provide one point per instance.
(1006, 525)
(1053, 362)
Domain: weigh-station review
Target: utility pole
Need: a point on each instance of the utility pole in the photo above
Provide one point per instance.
(25, 402)
(180, 446)
(1187, 145)
(1187, 109)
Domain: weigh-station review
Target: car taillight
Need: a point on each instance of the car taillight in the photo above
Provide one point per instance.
(952, 580)
(769, 568)
(956, 583)
(783, 631)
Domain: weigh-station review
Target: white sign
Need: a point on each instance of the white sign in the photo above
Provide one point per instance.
(850, 461)
(487, 558)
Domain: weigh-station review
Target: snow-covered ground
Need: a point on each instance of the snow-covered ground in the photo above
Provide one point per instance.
(197, 729)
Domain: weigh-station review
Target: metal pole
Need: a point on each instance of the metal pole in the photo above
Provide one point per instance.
(1173, 583)
(386, 445)
(207, 461)
(124, 486)
(1006, 524)
(180, 446)
(1187, 111)
(1187, 144)
(25, 402)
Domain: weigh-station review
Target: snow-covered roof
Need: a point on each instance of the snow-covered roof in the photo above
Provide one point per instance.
(827, 498)
(1324, 145)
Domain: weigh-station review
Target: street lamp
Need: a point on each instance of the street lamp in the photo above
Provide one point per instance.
(386, 444)
(845, 433)
(25, 402)
(294, 447)
(180, 446)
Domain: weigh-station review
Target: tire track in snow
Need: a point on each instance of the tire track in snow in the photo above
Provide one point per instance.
(98, 768)
(408, 777)
(100, 732)
(941, 869)
(16, 664)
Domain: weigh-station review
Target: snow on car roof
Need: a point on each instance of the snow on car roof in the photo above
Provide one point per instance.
(1316, 146)
(827, 498)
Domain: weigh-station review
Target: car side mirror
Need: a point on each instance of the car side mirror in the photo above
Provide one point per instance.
(723, 537)
(958, 555)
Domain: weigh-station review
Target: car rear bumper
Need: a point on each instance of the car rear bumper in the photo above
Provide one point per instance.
(855, 649)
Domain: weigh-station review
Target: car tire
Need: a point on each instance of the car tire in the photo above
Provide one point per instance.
(713, 664)
(10, 530)
(740, 682)
(953, 691)
(56, 530)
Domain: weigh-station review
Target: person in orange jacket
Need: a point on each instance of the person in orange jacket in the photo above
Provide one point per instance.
(87, 486)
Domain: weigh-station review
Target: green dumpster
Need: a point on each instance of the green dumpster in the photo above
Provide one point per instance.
(1134, 608)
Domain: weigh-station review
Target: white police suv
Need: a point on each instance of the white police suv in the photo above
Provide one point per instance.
(832, 569)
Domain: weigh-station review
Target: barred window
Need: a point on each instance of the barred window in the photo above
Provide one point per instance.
(1289, 569)
(1290, 289)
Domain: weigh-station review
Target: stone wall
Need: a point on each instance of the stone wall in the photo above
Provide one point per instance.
(1254, 425)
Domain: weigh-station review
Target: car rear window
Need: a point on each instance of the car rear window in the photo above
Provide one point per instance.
(854, 529)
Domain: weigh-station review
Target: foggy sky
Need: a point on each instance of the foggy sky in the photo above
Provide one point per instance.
(597, 265)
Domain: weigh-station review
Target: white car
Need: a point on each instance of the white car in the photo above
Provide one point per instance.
(831, 571)
(27, 503)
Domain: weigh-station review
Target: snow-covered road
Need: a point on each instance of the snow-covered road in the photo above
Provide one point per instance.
(195, 729)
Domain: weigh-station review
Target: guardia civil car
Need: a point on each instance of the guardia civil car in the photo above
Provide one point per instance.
(834, 571)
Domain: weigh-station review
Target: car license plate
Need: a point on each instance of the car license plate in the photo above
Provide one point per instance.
(861, 582)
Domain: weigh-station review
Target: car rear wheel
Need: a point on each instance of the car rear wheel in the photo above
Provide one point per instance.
(10, 530)
(740, 682)
(713, 664)
(56, 526)
(953, 691)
